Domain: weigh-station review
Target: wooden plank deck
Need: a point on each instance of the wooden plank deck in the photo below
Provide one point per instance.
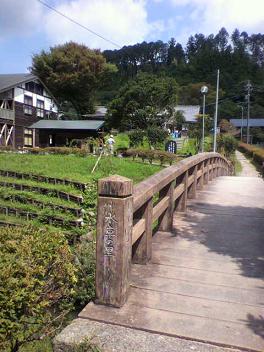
(205, 280)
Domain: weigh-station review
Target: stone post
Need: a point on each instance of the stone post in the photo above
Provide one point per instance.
(114, 240)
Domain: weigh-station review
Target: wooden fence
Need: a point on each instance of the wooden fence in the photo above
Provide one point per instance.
(127, 216)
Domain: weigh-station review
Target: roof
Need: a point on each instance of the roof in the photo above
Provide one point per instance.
(190, 112)
(100, 111)
(252, 122)
(92, 125)
(8, 81)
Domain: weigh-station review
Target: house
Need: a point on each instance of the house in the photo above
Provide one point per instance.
(243, 123)
(61, 132)
(24, 100)
(190, 112)
(29, 115)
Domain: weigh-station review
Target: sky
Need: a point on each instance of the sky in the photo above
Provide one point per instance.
(27, 27)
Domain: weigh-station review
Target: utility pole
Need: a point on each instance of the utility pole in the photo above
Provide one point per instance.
(248, 88)
(216, 109)
(242, 123)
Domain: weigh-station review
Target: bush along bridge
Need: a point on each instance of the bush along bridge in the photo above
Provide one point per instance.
(195, 274)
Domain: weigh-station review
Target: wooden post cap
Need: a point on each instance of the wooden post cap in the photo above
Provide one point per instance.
(115, 186)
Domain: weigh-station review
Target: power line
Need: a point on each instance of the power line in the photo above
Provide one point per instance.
(79, 24)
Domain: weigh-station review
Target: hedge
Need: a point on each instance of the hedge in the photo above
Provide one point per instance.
(58, 150)
(49, 150)
(256, 153)
(150, 155)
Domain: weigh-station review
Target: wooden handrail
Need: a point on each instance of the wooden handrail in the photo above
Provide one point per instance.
(127, 215)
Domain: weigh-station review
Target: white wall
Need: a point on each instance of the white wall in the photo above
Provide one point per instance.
(48, 102)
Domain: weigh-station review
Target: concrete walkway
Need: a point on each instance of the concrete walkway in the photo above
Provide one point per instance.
(248, 170)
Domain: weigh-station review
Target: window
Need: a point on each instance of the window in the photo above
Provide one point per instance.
(28, 137)
(40, 108)
(34, 88)
(28, 102)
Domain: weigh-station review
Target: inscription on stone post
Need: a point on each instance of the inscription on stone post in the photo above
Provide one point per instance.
(113, 244)
(110, 227)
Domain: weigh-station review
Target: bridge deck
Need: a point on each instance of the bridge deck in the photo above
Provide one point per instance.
(205, 280)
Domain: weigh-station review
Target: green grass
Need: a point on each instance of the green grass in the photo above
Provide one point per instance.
(74, 167)
(62, 188)
(121, 140)
(5, 192)
(34, 209)
(237, 164)
(44, 345)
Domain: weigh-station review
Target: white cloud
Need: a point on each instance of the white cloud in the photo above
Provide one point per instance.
(211, 15)
(123, 22)
(19, 17)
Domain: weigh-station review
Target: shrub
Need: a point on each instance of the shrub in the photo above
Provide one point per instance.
(226, 144)
(6, 148)
(252, 151)
(58, 150)
(150, 155)
(37, 276)
(85, 264)
(156, 135)
(136, 137)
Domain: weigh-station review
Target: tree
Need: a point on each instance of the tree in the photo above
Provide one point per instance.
(227, 127)
(195, 129)
(73, 73)
(156, 136)
(142, 102)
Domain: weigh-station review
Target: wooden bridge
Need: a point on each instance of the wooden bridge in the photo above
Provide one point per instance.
(196, 274)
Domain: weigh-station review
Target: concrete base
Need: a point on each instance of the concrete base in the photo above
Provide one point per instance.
(113, 338)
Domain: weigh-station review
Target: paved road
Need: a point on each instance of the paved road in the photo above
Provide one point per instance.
(248, 170)
(205, 280)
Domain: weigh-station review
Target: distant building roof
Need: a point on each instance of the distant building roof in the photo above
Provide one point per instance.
(252, 122)
(92, 125)
(8, 81)
(190, 112)
(100, 112)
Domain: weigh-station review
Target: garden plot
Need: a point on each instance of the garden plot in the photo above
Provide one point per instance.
(24, 200)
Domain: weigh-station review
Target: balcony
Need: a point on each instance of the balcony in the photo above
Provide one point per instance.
(7, 114)
(39, 113)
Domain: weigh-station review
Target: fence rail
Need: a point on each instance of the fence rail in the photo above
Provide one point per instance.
(126, 217)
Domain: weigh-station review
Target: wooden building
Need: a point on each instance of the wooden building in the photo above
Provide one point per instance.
(29, 115)
(60, 133)
(23, 100)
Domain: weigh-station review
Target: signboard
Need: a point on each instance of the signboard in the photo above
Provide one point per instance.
(171, 147)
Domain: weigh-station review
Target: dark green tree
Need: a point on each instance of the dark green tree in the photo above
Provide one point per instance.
(73, 73)
(142, 102)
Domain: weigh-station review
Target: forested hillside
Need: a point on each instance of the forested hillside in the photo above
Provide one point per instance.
(239, 56)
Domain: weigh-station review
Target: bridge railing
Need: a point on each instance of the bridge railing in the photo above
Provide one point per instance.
(126, 217)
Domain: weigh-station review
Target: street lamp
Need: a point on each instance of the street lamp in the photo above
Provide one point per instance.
(204, 91)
